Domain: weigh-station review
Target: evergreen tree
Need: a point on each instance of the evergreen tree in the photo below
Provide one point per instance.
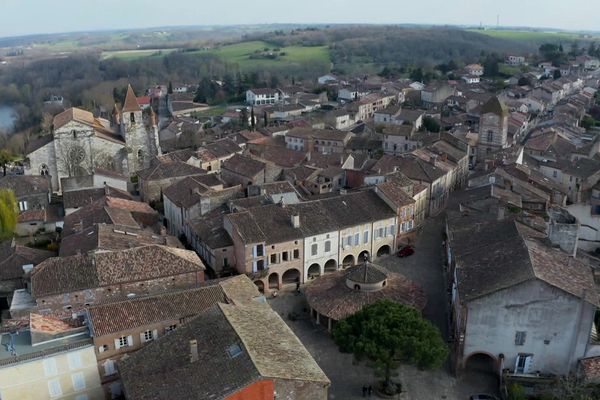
(387, 333)
(9, 212)
(170, 88)
(252, 121)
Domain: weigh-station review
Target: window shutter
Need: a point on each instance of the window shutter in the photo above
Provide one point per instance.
(142, 339)
(130, 340)
(109, 367)
(74, 360)
(54, 388)
(155, 334)
(100, 349)
(50, 367)
(117, 344)
(78, 381)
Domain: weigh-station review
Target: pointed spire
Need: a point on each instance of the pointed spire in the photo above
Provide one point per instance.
(131, 104)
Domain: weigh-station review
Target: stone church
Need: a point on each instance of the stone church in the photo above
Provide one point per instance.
(80, 143)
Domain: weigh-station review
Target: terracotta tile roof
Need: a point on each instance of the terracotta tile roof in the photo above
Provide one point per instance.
(83, 197)
(210, 230)
(73, 114)
(67, 274)
(169, 169)
(330, 296)
(131, 104)
(279, 155)
(186, 192)
(411, 166)
(26, 185)
(14, 256)
(134, 313)
(110, 210)
(494, 255)
(223, 148)
(272, 223)
(243, 165)
(393, 191)
(232, 351)
(108, 237)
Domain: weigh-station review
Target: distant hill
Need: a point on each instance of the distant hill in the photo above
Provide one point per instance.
(353, 48)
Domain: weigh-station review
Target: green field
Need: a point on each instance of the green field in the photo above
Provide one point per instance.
(130, 55)
(239, 53)
(531, 36)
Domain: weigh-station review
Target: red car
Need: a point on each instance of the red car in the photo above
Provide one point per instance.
(406, 251)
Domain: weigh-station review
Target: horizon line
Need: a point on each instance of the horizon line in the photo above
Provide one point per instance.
(306, 24)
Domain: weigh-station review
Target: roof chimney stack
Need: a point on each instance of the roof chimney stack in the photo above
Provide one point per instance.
(193, 350)
(296, 221)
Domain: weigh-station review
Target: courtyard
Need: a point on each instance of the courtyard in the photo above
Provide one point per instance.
(425, 268)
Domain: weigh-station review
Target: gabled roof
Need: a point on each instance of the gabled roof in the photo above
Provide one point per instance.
(495, 255)
(83, 197)
(134, 313)
(131, 103)
(169, 169)
(25, 185)
(79, 272)
(243, 165)
(13, 256)
(108, 237)
(73, 114)
(232, 354)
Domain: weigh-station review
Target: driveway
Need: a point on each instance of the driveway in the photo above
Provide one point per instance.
(425, 267)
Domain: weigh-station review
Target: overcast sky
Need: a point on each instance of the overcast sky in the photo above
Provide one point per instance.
(21, 17)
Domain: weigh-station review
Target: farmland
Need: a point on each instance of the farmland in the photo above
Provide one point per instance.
(240, 54)
(129, 55)
(532, 36)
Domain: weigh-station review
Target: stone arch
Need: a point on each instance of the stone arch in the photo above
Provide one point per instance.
(362, 255)
(331, 266)
(274, 281)
(481, 362)
(290, 276)
(260, 285)
(314, 270)
(384, 250)
(348, 261)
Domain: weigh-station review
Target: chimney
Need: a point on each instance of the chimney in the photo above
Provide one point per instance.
(193, 350)
(296, 221)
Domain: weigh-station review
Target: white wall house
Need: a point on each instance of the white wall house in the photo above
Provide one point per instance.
(321, 252)
(261, 96)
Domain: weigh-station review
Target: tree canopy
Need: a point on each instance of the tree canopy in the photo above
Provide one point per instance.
(387, 333)
(9, 212)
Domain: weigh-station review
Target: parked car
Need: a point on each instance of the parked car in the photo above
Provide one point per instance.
(483, 397)
(406, 251)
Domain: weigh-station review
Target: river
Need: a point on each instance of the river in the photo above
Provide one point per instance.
(7, 118)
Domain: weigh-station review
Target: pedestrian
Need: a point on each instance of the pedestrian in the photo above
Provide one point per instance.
(370, 390)
(298, 287)
(365, 389)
